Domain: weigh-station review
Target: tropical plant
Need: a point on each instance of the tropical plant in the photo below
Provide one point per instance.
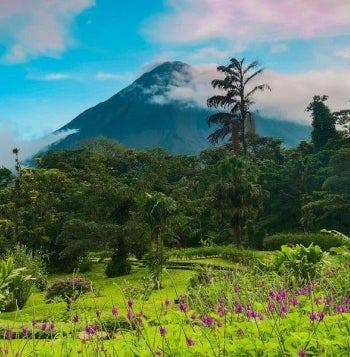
(238, 98)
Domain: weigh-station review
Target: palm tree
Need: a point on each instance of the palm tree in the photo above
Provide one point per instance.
(237, 99)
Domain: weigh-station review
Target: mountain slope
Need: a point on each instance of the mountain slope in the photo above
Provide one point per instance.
(138, 118)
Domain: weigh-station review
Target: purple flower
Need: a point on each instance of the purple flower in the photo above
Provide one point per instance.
(207, 320)
(25, 331)
(253, 314)
(9, 333)
(130, 303)
(183, 307)
(302, 353)
(43, 326)
(239, 308)
(284, 309)
(329, 301)
(341, 308)
(313, 316)
(166, 302)
(320, 315)
(294, 301)
(75, 318)
(236, 289)
(190, 341)
(90, 330)
(281, 295)
(34, 322)
(129, 314)
(271, 306)
(318, 300)
(51, 326)
(163, 331)
(193, 316)
(221, 311)
(115, 311)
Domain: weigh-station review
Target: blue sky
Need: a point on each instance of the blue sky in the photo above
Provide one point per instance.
(60, 57)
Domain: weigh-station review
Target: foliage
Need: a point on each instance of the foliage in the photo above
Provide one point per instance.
(69, 288)
(302, 262)
(15, 285)
(323, 239)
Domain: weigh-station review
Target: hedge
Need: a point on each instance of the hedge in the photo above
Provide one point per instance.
(324, 240)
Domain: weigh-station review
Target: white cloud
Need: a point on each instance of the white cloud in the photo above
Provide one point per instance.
(28, 148)
(105, 76)
(56, 76)
(239, 22)
(288, 99)
(32, 28)
(345, 54)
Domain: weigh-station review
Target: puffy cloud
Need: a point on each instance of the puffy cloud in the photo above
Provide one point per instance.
(56, 76)
(28, 148)
(345, 54)
(31, 28)
(288, 99)
(189, 21)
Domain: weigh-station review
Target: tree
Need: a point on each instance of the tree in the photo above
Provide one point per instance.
(237, 99)
(323, 122)
(156, 209)
(236, 196)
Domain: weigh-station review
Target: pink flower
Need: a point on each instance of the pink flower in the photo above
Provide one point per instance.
(25, 331)
(129, 314)
(193, 316)
(75, 318)
(51, 326)
(43, 326)
(207, 320)
(271, 306)
(9, 333)
(239, 308)
(183, 307)
(34, 322)
(284, 309)
(190, 342)
(163, 331)
(341, 308)
(236, 289)
(294, 301)
(130, 303)
(115, 311)
(166, 302)
(90, 330)
(302, 353)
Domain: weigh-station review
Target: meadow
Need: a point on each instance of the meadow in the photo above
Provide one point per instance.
(214, 306)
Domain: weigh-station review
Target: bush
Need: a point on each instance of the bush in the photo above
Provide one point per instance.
(324, 240)
(119, 264)
(301, 262)
(33, 262)
(70, 288)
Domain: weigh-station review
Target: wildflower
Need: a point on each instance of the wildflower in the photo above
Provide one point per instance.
(320, 315)
(294, 301)
(167, 302)
(51, 326)
(115, 311)
(207, 320)
(25, 331)
(130, 303)
(239, 308)
(193, 316)
(34, 322)
(318, 300)
(341, 308)
(163, 331)
(43, 326)
(236, 289)
(329, 301)
(221, 310)
(9, 333)
(253, 314)
(90, 330)
(75, 318)
(218, 323)
(272, 294)
(313, 316)
(182, 297)
(190, 341)
(302, 353)
(183, 307)
(129, 314)
(284, 309)
(281, 295)
(271, 306)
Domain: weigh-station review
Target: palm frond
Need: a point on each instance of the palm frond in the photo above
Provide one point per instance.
(254, 75)
(220, 101)
(219, 134)
(221, 118)
(251, 66)
(260, 87)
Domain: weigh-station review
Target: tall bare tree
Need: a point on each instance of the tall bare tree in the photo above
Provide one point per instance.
(237, 100)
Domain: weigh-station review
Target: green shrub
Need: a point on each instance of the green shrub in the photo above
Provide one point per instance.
(70, 288)
(302, 262)
(15, 285)
(324, 240)
(33, 262)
